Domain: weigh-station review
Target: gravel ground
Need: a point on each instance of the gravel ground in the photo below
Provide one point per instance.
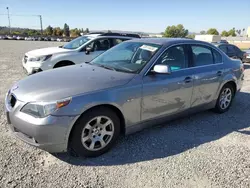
(203, 150)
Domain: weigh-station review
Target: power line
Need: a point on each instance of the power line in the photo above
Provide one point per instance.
(24, 15)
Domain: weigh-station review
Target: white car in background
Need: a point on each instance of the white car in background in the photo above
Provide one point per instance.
(80, 50)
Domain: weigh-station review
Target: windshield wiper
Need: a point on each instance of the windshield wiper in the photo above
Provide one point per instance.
(106, 67)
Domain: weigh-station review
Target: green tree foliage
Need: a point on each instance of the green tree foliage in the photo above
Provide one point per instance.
(57, 31)
(48, 31)
(87, 30)
(175, 31)
(212, 31)
(224, 34)
(231, 32)
(33, 32)
(66, 30)
(203, 32)
(75, 32)
(109, 31)
(191, 36)
(16, 32)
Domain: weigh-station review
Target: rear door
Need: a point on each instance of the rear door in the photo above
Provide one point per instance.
(208, 70)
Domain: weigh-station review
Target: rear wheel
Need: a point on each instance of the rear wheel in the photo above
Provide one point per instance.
(225, 99)
(95, 132)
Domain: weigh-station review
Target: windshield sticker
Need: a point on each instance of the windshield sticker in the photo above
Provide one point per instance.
(149, 48)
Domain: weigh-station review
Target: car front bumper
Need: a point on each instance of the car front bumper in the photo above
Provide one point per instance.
(50, 133)
(29, 67)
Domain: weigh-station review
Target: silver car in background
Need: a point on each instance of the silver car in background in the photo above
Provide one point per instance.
(137, 83)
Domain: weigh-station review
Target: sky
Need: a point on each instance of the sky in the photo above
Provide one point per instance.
(128, 15)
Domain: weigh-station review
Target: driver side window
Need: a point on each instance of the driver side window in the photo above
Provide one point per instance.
(174, 57)
(100, 45)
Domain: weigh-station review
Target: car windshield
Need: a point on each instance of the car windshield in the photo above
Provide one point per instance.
(76, 43)
(127, 57)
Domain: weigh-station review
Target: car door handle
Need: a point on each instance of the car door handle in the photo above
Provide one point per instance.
(219, 73)
(188, 79)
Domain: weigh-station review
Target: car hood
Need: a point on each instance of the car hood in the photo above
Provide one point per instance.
(67, 81)
(46, 51)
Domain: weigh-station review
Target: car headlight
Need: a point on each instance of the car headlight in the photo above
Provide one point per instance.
(43, 109)
(41, 58)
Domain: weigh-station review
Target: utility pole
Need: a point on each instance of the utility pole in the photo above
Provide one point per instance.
(41, 24)
(8, 19)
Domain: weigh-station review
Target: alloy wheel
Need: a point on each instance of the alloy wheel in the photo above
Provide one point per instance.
(225, 98)
(97, 133)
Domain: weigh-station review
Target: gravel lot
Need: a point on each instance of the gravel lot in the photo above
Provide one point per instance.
(204, 150)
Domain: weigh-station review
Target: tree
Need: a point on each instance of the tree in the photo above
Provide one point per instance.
(87, 30)
(175, 31)
(57, 31)
(109, 31)
(74, 32)
(16, 33)
(231, 32)
(224, 34)
(33, 32)
(191, 36)
(49, 30)
(203, 32)
(66, 30)
(212, 31)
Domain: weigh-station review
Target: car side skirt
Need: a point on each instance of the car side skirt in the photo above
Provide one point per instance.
(156, 122)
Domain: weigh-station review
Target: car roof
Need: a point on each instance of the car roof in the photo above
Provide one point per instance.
(224, 44)
(93, 36)
(169, 41)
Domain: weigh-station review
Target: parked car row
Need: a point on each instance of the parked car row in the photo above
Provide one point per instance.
(124, 86)
(234, 52)
(247, 55)
(81, 49)
(32, 38)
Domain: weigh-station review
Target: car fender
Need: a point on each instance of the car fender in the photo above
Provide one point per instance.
(85, 109)
(227, 78)
(57, 58)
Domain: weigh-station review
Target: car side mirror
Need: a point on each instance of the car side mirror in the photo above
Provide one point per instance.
(88, 50)
(161, 69)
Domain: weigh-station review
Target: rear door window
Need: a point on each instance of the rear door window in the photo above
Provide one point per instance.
(202, 55)
(118, 41)
(217, 56)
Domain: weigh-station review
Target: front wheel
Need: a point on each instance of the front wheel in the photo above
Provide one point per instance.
(225, 99)
(95, 132)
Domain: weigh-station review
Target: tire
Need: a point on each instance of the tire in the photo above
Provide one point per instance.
(219, 107)
(87, 131)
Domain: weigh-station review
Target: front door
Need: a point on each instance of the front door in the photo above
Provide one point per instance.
(165, 94)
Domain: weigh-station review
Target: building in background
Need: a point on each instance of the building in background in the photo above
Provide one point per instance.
(208, 38)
